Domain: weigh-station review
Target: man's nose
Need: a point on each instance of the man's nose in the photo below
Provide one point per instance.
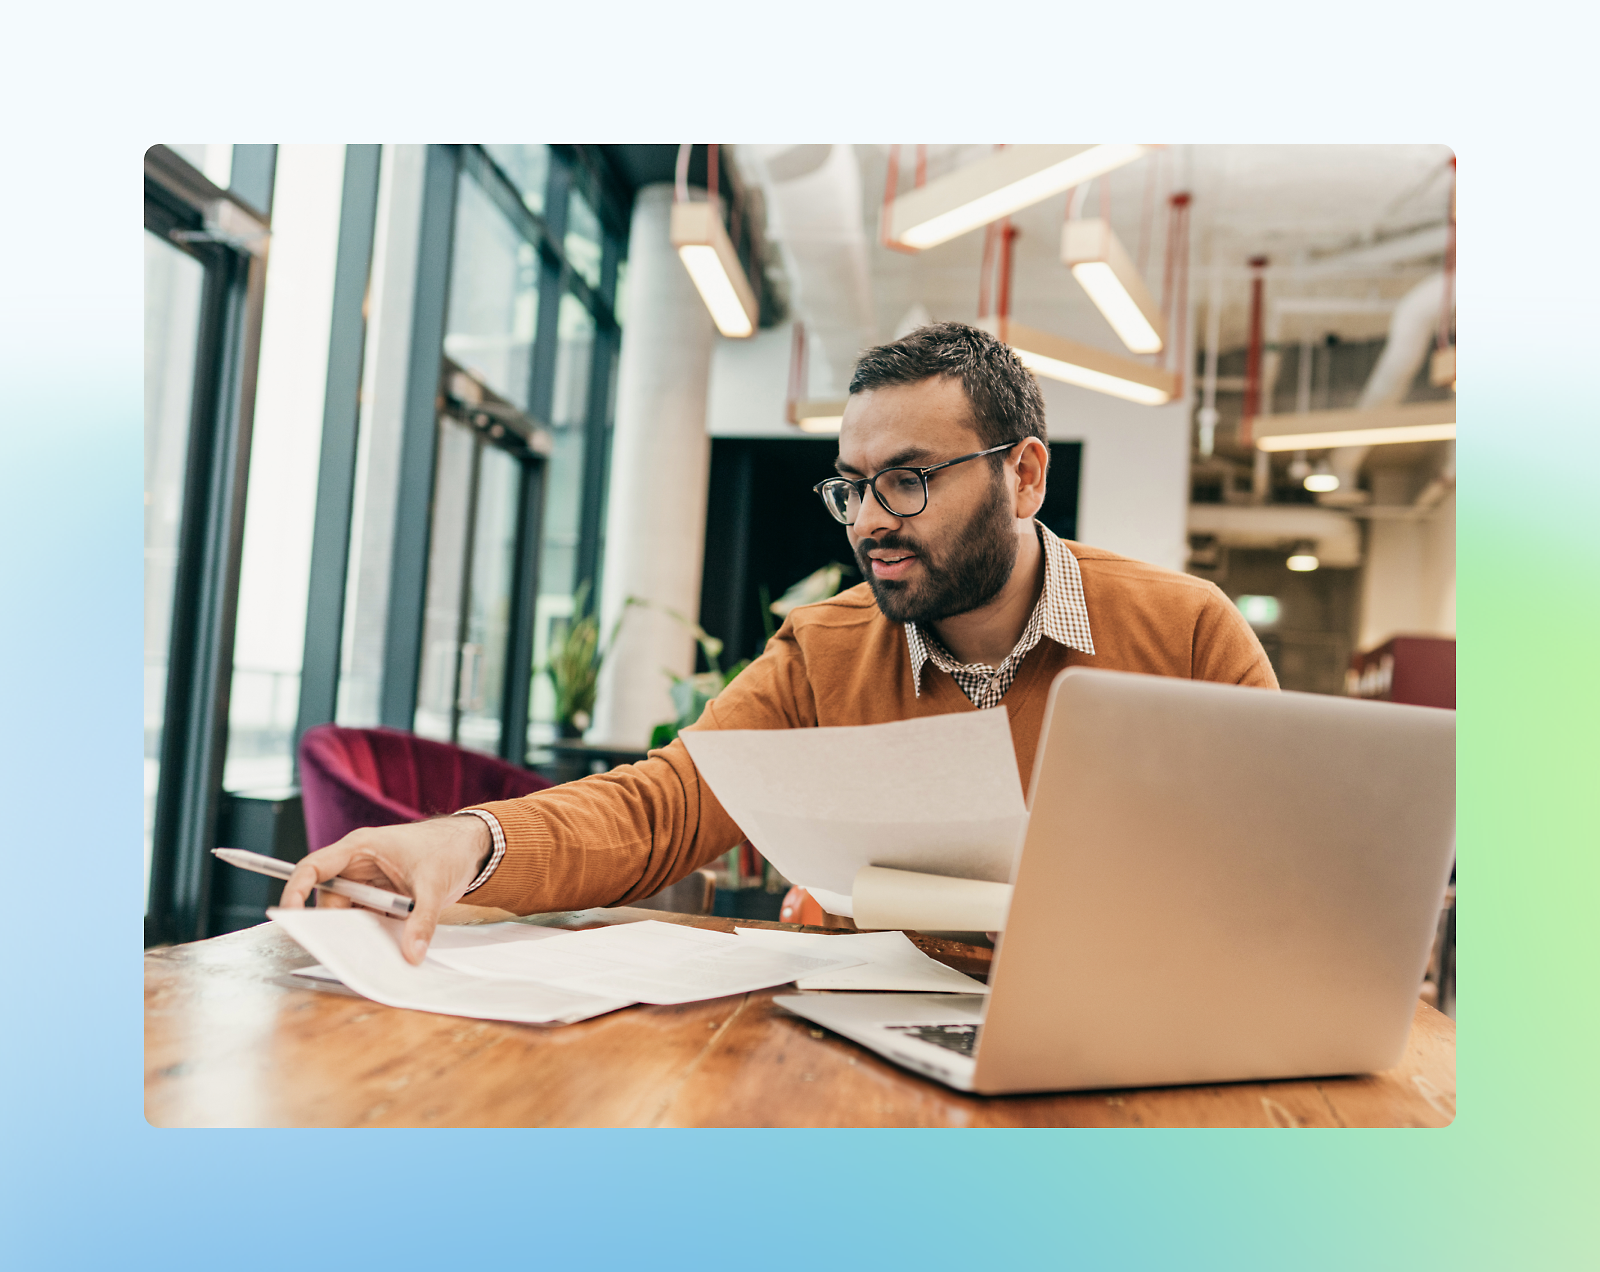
(873, 521)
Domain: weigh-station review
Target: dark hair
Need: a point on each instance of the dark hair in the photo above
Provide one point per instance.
(1006, 402)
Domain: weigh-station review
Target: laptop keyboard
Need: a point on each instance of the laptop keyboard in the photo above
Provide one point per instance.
(962, 1039)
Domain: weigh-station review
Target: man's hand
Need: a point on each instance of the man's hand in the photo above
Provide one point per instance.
(430, 861)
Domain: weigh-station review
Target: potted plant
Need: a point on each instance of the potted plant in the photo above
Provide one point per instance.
(576, 656)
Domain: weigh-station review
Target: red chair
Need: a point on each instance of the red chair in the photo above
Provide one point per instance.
(350, 778)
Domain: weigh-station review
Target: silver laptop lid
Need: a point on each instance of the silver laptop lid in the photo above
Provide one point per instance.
(1219, 884)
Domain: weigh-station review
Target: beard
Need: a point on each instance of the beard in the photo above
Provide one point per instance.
(969, 574)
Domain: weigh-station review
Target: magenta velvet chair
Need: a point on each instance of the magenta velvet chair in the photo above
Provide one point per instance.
(351, 778)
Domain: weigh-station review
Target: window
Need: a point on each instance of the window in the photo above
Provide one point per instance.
(203, 299)
(173, 286)
(494, 297)
(515, 520)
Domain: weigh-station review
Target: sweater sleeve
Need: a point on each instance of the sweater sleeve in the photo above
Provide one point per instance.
(624, 835)
(1225, 647)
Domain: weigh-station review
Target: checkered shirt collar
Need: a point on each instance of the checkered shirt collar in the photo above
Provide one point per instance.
(1060, 614)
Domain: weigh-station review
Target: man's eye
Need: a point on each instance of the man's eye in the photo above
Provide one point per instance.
(905, 482)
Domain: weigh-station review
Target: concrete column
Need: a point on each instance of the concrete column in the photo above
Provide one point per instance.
(660, 472)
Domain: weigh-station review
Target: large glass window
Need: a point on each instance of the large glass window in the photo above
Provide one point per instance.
(173, 287)
(528, 168)
(291, 391)
(583, 244)
(488, 612)
(564, 491)
(494, 297)
(528, 308)
(448, 545)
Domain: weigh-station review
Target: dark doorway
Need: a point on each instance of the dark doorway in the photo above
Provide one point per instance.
(765, 527)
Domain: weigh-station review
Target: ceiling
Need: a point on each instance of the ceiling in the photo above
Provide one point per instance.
(1307, 208)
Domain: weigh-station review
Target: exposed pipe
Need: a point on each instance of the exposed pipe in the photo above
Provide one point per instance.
(1208, 389)
(1252, 366)
(1412, 331)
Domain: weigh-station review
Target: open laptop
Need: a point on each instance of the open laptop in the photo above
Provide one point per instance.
(1217, 884)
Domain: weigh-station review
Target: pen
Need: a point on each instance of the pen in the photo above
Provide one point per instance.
(390, 903)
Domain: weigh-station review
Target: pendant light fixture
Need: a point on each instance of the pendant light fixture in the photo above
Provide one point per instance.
(1375, 426)
(1304, 557)
(994, 187)
(708, 253)
(1103, 268)
(1055, 356)
(1085, 366)
(1322, 479)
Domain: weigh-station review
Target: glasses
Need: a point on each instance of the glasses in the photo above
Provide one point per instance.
(903, 492)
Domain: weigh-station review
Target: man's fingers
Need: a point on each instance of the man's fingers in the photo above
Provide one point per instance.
(419, 930)
(314, 868)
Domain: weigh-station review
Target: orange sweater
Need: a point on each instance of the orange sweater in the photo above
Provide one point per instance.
(623, 835)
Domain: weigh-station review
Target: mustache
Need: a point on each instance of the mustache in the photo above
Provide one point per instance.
(894, 539)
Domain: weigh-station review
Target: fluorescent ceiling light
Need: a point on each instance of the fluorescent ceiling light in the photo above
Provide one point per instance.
(1003, 183)
(1085, 366)
(707, 253)
(1103, 268)
(1303, 562)
(1376, 426)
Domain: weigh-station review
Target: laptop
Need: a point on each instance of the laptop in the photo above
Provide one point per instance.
(1217, 884)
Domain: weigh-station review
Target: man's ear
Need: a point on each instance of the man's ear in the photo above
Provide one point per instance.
(1033, 461)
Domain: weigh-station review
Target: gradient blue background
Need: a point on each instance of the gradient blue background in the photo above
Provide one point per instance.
(88, 1184)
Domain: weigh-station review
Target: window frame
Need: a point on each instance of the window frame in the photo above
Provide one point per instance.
(180, 207)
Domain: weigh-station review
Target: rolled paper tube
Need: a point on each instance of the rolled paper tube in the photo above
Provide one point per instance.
(884, 899)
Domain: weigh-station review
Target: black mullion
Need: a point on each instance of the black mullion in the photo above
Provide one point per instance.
(205, 598)
(408, 578)
(524, 596)
(336, 472)
(597, 430)
(182, 641)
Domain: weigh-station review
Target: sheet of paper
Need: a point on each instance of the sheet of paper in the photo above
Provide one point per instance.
(649, 962)
(889, 960)
(362, 950)
(940, 794)
(456, 937)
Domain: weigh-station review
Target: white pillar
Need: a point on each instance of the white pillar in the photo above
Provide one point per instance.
(660, 471)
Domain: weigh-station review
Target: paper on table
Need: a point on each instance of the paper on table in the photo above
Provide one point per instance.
(649, 962)
(362, 949)
(455, 936)
(939, 794)
(889, 961)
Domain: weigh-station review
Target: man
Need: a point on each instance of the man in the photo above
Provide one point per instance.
(968, 603)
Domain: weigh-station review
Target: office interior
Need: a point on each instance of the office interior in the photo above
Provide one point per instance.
(501, 447)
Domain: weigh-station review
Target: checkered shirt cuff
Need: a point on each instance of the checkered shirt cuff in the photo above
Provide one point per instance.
(497, 835)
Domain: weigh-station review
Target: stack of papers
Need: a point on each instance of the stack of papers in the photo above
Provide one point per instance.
(512, 971)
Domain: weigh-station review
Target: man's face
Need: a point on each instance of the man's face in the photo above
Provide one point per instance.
(958, 553)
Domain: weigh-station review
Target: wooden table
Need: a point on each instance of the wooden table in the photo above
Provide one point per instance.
(231, 1040)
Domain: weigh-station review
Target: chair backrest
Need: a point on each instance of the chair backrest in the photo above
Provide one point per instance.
(350, 778)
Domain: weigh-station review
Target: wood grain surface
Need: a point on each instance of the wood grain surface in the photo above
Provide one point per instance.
(232, 1039)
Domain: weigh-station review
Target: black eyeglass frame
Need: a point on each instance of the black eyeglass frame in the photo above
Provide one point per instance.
(860, 485)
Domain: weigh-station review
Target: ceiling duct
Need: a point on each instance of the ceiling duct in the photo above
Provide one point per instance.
(1412, 331)
(1336, 539)
(813, 198)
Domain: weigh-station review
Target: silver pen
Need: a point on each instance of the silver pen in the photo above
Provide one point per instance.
(390, 903)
